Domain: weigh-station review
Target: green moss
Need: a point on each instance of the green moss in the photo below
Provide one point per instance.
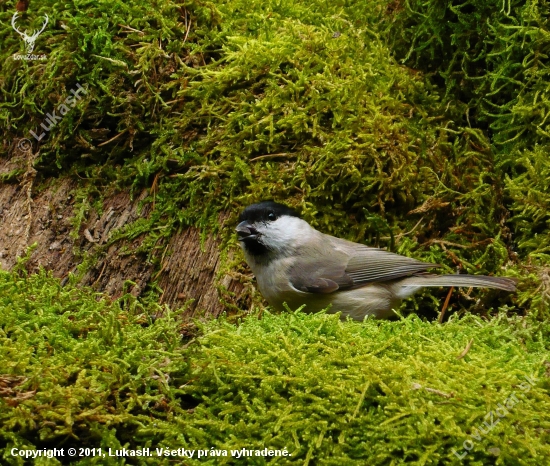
(489, 58)
(334, 392)
(90, 370)
(83, 371)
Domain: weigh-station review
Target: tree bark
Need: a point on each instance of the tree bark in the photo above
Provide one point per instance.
(188, 275)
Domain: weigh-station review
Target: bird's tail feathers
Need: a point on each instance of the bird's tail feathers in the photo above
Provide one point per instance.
(422, 280)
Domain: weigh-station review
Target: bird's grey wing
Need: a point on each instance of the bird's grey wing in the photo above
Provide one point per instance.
(342, 265)
(320, 271)
(368, 265)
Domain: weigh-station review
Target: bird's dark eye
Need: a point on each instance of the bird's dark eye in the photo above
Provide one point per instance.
(271, 216)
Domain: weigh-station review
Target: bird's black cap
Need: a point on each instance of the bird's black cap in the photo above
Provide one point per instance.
(265, 212)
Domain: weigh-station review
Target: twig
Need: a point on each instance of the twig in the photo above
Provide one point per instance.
(188, 27)
(131, 29)
(456, 245)
(438, 392)
(281, 154)
(160, 271)
(89, 236)
(445, 304)
(446, 243)
(28, 182)
(100, 273)
(116, 62)
(417, 386)
(404, 234)
(112, 139)
(154, 188)
(465, 351)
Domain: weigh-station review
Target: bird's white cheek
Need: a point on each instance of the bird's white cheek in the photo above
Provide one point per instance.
(285, 233)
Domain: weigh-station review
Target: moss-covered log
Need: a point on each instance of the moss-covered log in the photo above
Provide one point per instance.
(92, 255)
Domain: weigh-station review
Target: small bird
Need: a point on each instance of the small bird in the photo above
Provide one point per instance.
(296, 264)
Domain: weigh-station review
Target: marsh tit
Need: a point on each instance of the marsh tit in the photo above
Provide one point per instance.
(296, 264)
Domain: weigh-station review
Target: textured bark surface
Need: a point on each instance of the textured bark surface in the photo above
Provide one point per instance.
(190, 272)
(187, 274)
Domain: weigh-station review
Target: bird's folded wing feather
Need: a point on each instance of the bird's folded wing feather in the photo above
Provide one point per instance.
(343, 265)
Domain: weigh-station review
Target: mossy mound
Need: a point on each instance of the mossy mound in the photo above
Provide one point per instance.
(80, 371)
(489, 58)
(214, 105)
(77, 369)
(379, 393)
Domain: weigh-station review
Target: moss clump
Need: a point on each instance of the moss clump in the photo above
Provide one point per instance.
(77, 370)
(378, 393)
(489, 58)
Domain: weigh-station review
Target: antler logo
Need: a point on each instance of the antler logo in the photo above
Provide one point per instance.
(29, 40)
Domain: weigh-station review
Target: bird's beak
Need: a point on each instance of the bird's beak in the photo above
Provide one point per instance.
(246, 231)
